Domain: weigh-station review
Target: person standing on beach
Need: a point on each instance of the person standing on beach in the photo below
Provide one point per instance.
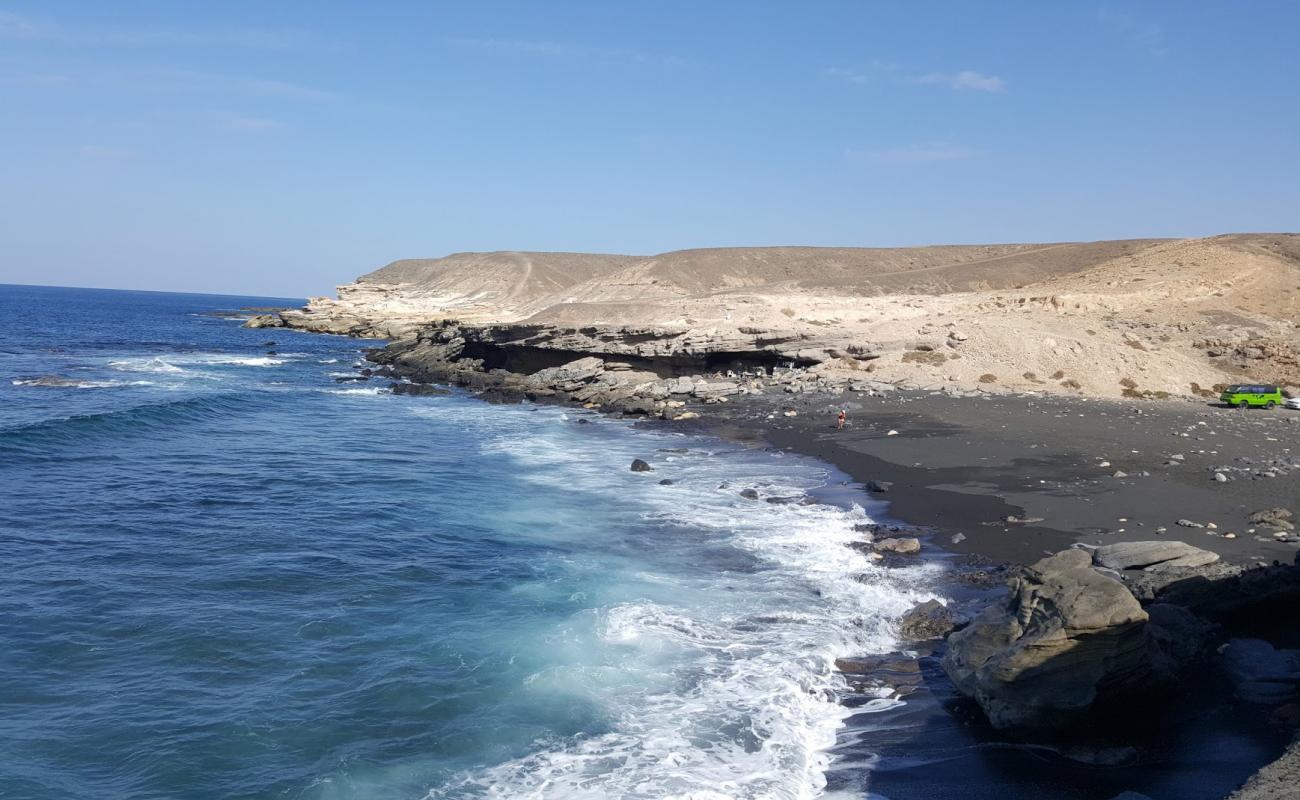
(844, 417)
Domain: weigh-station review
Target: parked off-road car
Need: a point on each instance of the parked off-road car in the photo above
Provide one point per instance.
(1252, 395)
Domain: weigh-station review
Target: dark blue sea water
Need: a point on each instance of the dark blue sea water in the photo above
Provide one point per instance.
(226, 574)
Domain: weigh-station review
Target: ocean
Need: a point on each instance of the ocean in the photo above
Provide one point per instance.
(228, 574)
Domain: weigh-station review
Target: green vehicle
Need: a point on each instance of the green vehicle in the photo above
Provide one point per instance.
(1252, 395)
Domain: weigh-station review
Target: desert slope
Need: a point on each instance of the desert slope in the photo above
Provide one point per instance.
(1103, 318)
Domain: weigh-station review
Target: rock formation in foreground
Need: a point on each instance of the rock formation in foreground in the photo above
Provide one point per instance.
(1124, 318)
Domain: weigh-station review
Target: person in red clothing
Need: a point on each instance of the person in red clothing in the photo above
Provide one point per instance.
(844, 417)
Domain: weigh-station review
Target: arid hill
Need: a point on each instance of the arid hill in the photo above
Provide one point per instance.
(1131, 317)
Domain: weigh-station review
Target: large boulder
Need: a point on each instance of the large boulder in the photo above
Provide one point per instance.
(1152, 555)
(1066, 637)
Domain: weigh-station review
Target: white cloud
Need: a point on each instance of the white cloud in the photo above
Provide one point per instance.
(39, 81)
(105, 152)
(243, 122)
(1142, 36)
(847, 75)
(17, 27)
(555, 49)
(922, 152)
(966, 79)
(184, 81)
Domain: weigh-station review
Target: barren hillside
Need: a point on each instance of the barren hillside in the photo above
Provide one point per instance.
(1106, 318)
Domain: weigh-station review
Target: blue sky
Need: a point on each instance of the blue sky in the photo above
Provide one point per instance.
(281, 148)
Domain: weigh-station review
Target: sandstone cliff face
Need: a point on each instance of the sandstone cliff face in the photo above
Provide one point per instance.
(1129, 318)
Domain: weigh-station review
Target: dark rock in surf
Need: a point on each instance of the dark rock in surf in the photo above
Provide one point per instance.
(749, 494)
(928, 620)
(417, 389)
(640, 466)
(1066, 636)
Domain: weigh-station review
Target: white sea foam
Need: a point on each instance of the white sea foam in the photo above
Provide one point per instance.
(59, 382)
(369, 391)
(729, 690)
(178, 362)
(155, 365)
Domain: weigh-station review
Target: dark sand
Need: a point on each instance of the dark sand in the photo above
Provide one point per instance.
(961, 466)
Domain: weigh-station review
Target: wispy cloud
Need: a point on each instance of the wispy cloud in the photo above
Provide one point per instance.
(105, 152)
(1143, 36)
(554, 49)
(848, 75)
(44, 80)
(245, 122)
(48, 31)
(168, 80)
(919, 153)
(964, 80)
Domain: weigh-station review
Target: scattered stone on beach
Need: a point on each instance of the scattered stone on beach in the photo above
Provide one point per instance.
(928, 620)
(1279, 518)
(1152, 555)
(640, 466)
(1220, 477)
(1065, 634)
(903, 546)
(878, 487)
(1187, 523)
(958, 538)
(791, 413)
(1015, 520)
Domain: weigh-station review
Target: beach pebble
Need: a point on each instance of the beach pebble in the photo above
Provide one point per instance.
(892, 433)
(791, 413)
(1187, 523)
(1220, 477)
(958, 538)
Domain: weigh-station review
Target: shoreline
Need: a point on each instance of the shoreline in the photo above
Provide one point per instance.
(996, 480)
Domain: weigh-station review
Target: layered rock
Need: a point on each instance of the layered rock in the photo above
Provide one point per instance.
(1066, 637)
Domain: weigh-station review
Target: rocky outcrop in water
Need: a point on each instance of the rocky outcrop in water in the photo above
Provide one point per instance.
(1066, 636)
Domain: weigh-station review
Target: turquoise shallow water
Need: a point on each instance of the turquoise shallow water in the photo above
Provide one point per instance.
(228, 575)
